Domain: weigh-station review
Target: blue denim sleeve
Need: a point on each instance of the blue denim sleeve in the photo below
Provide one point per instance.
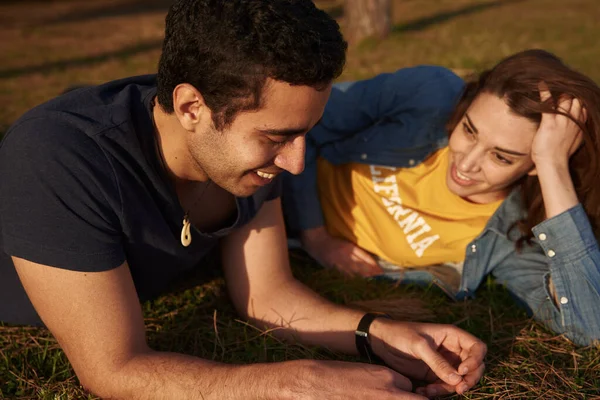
(353, 107)
(565, 252)
(573, 257)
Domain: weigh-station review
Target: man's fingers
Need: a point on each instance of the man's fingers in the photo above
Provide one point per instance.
(436, 389)
(395, 385)
(402, 382)
(470, 379)
(404, 385)
(477, 351)
(409, 396)
(438, 364)
(441, 388)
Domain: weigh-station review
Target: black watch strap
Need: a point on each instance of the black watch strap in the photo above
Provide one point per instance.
(362, 338)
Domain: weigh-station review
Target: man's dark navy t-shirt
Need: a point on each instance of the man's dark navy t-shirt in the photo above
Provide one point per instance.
(81, 188)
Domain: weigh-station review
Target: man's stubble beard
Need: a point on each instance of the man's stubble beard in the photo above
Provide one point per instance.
(219, 169)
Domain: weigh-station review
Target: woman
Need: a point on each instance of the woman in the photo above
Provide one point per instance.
(425, 179)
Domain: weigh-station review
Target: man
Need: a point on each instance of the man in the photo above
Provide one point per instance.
(109, 193)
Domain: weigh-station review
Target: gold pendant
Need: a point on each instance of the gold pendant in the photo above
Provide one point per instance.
(186, 234)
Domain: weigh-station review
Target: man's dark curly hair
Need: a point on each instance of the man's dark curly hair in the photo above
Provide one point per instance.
(228, 48)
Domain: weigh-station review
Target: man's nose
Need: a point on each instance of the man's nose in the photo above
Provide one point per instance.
(291, 156)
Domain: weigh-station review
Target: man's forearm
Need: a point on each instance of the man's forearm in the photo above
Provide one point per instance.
(305, 316)
(162, 375)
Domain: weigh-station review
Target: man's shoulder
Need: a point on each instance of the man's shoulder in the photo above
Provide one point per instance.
(91, 110)
(73, 126)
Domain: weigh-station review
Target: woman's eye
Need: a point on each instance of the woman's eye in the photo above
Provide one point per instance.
(467, 129)
(502, 159)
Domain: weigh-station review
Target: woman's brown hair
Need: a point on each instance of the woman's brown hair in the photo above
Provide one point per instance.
(516, 79)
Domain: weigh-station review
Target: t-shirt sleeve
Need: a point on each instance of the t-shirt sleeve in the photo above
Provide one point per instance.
(59, 200)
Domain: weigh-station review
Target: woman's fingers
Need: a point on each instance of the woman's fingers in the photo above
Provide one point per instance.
(367, 263)
(544, 91)
(577, 112)
(565, 105)
(575, 109)
(364, 256)
(351, 260)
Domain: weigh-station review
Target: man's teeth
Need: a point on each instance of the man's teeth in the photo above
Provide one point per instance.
(461, 176)
(265, 175)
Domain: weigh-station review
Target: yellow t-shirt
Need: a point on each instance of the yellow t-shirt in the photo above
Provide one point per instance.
(406, 216)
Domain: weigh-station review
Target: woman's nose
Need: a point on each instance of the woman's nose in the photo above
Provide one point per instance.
(471, 160)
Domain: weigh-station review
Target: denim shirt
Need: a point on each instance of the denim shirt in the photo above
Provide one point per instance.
(398, 119)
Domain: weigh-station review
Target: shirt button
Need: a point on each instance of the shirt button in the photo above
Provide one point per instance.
(473, 248)
(411, 162)
(542, 236)
(363, 156)
(551, 253)
(564, 300)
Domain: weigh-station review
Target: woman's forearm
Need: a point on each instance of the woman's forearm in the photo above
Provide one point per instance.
(557, 187)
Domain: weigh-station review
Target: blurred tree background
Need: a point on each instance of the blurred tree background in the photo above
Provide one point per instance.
(367, 19)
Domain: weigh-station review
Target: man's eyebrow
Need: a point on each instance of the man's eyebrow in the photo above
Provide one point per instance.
(511, 152)
(286, 132)
(283, 132)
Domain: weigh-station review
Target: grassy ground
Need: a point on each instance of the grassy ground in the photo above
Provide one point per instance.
(46, 47)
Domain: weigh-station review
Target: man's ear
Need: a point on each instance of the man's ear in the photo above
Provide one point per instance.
(189, 106)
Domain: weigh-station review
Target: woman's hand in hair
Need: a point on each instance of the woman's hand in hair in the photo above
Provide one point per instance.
(558, 136)
(556, 140)
(332, 252)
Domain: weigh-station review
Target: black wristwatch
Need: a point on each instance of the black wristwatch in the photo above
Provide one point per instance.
(362, 338)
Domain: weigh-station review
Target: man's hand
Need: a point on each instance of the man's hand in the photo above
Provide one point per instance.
(446, 357)
(332, 252)
(347, 381)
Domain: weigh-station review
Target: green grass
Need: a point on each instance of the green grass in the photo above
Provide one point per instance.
(48, 47)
